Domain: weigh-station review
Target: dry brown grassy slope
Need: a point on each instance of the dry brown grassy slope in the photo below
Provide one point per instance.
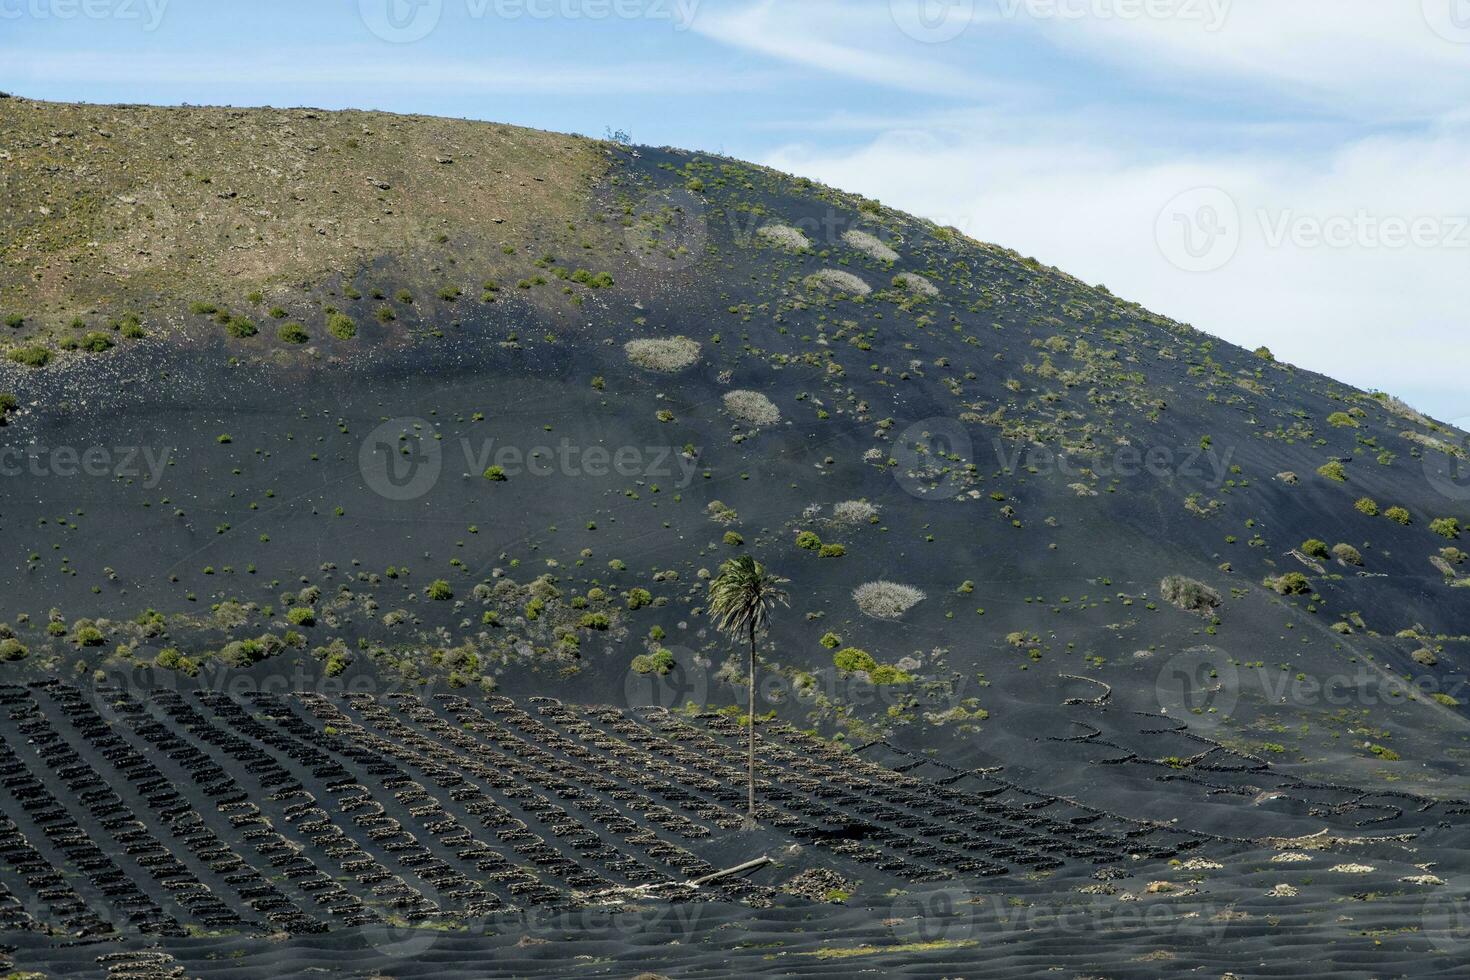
(106, 208)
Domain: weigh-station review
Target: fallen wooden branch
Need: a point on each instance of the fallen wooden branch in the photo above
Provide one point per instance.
(622, 893)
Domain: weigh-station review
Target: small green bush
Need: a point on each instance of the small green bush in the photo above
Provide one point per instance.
(1333, 471)
(594, 621)
(808, 540)
(293, 333)
(1367, 505)
(1292, 583)
(833, 550)
(34, 356)
(301, 616)
(733, 539)
(14, 321)
(638, 598)
(12, 649)
(1314, 548)
(660, 662)
(1447, 527)
(830, 640)
(851, 659)
(496, 474)
(341, 326)
(1342, 420)
(1347, 554)
(1398, 515)
(241, 327)
(440, 590)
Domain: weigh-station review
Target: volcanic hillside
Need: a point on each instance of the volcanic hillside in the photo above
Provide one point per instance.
(343, 437)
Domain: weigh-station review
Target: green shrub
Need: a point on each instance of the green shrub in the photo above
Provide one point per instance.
(439, 590)
(12, 649)
(404, 296)
(1333, 471)
(496, 474)
(1347, 554)
(34, 356)
(851, 659)
(14, 321)
(1448, 527)
(88, 636)
(830, 640)
(1314, 548)
(301, 616)
(1367, 505)
(341, 326)
(1342, 420)
(241, 327)
(1398, 515)
(293, 333)
(638, 598)
(833, 550)
(385, 314)
(659, 662)
(594, 621)
(733, 539)
(199, 308)
(1292, 583)
(8, 404)
(808, 540)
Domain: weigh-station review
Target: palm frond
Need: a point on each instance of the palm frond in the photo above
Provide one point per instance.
(742, 596)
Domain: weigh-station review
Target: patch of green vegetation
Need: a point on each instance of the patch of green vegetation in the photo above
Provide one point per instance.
(293, 333)
(660, 662)
(33, 355)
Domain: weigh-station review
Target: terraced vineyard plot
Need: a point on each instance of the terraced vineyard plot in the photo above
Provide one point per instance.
(302, 813)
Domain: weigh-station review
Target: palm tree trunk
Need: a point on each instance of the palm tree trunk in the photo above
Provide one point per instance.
(750, 706)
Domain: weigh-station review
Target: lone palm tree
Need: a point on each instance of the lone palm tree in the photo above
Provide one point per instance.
(741, 598)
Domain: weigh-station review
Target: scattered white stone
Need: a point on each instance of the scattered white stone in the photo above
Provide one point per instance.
(1423, 880)
(1351, 869)
(1290, 857)
(1282, 891)
(1201, 864)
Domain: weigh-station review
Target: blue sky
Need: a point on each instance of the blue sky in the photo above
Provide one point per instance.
(1281, 173)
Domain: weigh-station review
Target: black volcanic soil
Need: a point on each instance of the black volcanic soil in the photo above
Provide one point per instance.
(280, 517)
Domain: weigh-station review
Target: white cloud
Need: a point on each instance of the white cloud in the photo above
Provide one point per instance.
(842, 39)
